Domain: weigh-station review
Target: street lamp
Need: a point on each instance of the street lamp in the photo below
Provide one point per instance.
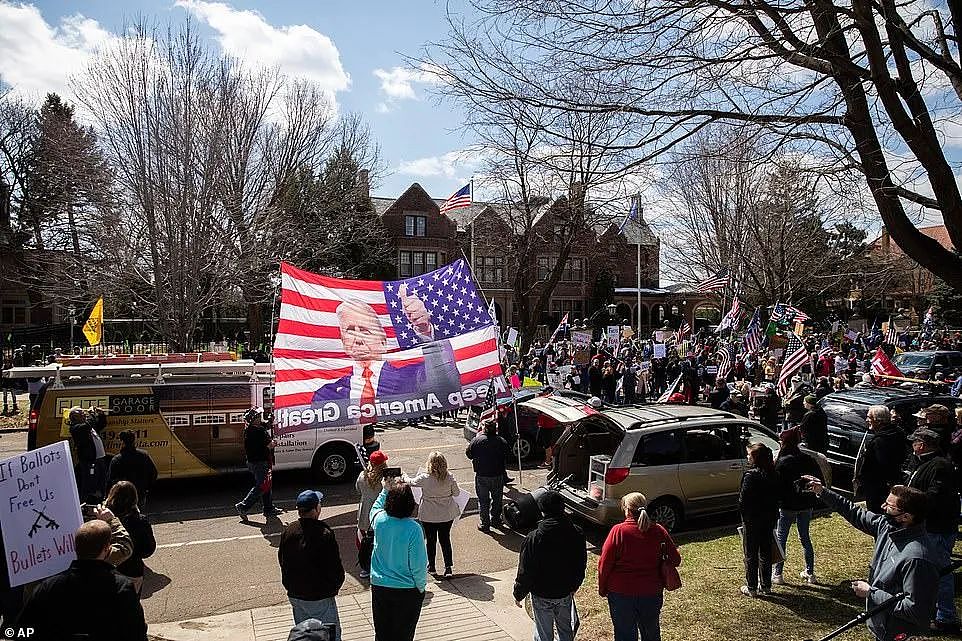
(72, 313)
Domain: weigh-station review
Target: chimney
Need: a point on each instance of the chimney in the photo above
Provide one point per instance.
(576, 193)
(885, 241)
(364, 183)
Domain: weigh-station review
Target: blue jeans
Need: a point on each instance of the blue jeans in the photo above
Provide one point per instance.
(490, 491)
(555, 613)
(945, 611)
(259, 470)
(634, 615)
(802, 518)
(324, 611)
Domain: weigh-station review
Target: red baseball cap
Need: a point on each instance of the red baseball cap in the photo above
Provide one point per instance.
(377, 457)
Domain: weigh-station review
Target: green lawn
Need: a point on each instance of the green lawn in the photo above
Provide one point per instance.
(710, 607)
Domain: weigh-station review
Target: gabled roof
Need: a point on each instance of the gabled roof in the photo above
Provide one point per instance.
(936, 232)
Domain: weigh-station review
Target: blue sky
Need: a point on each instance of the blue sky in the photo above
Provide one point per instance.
(353, 48)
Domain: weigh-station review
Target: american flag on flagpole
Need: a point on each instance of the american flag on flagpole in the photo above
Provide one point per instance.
(458, 200)
(713, 283)
(797, 314)
(824, 350)
(684, 330)
(489, 408)
(796, 356)
(632, 215)
(563, 323)
(892, 336)
(428, 330)
(754, 336)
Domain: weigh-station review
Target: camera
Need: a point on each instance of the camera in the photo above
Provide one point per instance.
(391, 472)
(88, 510)
(802, 485)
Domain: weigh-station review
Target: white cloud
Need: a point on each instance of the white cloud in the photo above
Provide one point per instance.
(399, 84)
(35, 57)
(450, 165)
(297, 50)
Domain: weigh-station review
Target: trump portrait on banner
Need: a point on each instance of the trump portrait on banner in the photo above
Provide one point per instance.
(372, 377)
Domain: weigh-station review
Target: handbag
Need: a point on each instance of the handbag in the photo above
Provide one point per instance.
(669, 573)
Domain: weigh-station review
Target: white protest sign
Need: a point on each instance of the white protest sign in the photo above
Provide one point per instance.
(512, 336)
(581, 340)
(658, 350)
(554, 379)
(614, 337)
(659, 336)
(851, 335)
(39, 514)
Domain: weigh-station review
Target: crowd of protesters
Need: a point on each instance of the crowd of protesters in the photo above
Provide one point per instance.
(909, 479)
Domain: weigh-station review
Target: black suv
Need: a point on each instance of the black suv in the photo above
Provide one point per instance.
(925, 364)
(846, 412)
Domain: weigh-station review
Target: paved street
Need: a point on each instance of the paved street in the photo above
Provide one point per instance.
(209, 563)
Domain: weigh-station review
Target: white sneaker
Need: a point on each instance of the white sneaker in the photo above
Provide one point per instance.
(747, 591)
(777, 579)
(808, 576)
(364, 574)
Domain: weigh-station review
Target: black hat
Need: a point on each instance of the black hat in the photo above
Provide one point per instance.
(927, 436)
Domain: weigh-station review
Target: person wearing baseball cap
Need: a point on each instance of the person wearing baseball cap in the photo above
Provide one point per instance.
(937, 418)
(934, 474)
(311, 569)
(368, 486)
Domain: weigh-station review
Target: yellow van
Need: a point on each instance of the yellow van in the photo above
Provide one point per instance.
(188, 416)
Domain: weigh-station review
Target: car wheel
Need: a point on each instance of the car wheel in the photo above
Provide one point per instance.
(334, 464)
(526, 448)
(667, 512)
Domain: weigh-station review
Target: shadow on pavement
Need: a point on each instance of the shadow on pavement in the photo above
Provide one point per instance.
(153, 583)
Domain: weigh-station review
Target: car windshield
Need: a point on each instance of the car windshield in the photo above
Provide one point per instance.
(845, 415)
(913, 360)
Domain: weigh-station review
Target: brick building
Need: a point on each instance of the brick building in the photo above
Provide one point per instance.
(424, 239)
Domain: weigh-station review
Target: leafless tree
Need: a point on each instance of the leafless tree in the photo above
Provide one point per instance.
(867, 87)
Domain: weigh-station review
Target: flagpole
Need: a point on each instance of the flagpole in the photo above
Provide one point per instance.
(638, 266)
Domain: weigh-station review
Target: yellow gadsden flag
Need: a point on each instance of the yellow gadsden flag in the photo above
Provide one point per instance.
(94, 327)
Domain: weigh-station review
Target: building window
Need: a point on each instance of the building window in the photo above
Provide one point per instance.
(209, 419)
(177, 420)
(415, 225)
(13, 311)
(574, 271)
(572, 307)
(416, 263)
(489, 269)
(237, 417)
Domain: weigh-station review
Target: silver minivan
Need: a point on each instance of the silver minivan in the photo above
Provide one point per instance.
(687, 460)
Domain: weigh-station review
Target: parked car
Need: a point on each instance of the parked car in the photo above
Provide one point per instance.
(846, 412)
(687, 460)
(533, 405)
(925, 364)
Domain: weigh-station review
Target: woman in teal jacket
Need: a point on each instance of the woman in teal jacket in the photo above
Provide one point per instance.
(399, 563)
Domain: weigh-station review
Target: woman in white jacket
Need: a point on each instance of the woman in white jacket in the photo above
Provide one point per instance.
(438, 509)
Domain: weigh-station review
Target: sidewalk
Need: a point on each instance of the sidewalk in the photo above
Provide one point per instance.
(468, 607)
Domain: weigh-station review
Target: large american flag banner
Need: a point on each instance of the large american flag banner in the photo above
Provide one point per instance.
(352, 351)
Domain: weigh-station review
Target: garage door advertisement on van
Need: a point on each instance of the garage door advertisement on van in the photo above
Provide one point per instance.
(137, 411)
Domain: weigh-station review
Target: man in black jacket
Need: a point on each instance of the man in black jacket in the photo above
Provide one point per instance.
(311, 569)
(134, 465)
(719, 394)
(814, 425)
(90, 600)
(934, 474)
(552, 568)
(878, 465)
(258, 448)
(92, 461)
(487, 452)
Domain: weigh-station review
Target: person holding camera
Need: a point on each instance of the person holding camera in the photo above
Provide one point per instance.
(795, 504)
(85, 428)
(368, 486)
(122, 500)
(259, 450)
(399, 563)
(904, 561)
